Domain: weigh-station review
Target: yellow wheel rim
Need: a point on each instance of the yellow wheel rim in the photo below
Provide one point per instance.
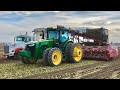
(56, 57)
(77, 53)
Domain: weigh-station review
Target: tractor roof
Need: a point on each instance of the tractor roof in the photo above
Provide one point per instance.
(59, 28)
(97, 29)
(39, 29)
(22, 36)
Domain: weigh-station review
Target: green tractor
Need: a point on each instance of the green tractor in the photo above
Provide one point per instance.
(53, 49)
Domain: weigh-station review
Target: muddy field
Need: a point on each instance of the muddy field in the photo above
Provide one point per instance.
(86, 69)
(1, 51)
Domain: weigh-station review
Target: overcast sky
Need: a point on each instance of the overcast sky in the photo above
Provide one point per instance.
(13, 23)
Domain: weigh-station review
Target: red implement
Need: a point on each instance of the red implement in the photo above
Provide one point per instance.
(100, 52)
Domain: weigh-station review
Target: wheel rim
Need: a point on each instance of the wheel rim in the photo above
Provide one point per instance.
(77, 53)
(56, 57)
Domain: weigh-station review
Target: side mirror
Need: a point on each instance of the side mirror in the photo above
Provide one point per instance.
(14, 39)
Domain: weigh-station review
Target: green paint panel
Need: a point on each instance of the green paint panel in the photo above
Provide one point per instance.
(24, 53)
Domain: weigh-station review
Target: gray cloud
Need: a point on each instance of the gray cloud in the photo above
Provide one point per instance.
(35, 19)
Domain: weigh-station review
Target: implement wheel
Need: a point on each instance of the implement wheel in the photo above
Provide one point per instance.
(74, 53)
(26, 60)
(45, 57)
(110, 59)
(54, 57)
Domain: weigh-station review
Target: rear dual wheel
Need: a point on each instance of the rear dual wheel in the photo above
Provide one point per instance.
(73, 52)
(52, 57)
(45, 57)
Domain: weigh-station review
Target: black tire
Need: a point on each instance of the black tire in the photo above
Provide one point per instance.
(110, 59)
(59, 58)
(24, 60)
(17, 57)
(31, 61)
(10, 57)
(70, 56)
(45, 57)
(67, 50)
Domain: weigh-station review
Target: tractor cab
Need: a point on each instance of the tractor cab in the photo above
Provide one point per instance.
(39, 34)
(60, 33)
(23, 38)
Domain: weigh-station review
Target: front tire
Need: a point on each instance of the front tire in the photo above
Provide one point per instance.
(54, 57)
(26, 60)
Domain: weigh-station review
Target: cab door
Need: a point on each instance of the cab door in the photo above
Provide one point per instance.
(63, 36)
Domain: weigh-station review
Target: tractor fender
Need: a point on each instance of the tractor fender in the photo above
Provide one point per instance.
(17, 49)
(68, 42)
(44, 47)
(65, 44)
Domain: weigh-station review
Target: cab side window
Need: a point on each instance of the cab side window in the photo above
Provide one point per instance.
(53, 34)
(63, 36)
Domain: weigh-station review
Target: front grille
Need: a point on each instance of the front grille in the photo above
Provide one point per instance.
(31, 49)
(6, 49)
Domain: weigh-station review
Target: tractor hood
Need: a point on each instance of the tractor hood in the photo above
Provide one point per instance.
(31, 42)
(24, 53)
(34, 42)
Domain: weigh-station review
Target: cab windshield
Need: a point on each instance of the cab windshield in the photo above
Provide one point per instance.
(20, 38)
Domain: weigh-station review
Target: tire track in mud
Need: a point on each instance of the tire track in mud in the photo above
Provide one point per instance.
(61, 73)
(115, 74)
(89, 71)
(110, 72)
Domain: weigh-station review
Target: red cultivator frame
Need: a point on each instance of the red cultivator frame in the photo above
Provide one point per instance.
(95, 43)
(100, 52)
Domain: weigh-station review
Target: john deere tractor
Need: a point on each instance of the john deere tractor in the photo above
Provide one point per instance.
(53, 49)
